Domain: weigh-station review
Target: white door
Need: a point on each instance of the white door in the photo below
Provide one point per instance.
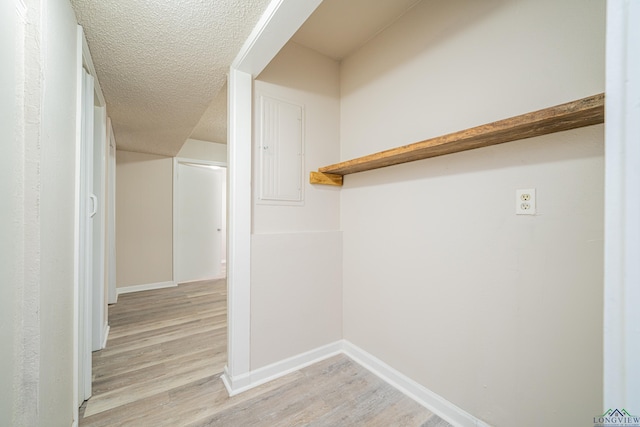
(111, 215)
(88, 208)
(99, 158)
(199, 223)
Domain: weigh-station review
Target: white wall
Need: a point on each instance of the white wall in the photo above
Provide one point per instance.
(144, 215)
(296, 299)
(38, 193)
(57, 211)
(622, 208)
(500, 314)
(203, 150)
(10, 226)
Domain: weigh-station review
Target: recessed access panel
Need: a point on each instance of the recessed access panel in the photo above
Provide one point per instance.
(280, 152)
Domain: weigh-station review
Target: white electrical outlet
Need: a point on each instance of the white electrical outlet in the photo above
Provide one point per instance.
(526, 202)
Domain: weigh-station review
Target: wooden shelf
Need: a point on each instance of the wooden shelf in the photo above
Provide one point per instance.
(325, 178)
(582, 112)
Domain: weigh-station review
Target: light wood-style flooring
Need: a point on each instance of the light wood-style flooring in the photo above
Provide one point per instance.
(166, 352)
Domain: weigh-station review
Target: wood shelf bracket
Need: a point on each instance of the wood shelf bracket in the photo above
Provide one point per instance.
(571, 115)
(325, 178)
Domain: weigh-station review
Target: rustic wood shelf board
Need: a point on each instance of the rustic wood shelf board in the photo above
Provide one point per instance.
(325, 178)
(582, 112)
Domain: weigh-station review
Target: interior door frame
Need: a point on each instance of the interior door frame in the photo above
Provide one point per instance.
(88, 208)
(621, 344)
(81, 306)
(99, 157)
(176, 162)
(278, 24)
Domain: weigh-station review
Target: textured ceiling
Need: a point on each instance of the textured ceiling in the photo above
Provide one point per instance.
(338, 28)
(213, 123)
(161, 63)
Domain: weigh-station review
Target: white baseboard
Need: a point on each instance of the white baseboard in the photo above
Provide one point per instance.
(105, 335)
(241, 383)
(430, 400)
(425, 397)
(145, 287)
(236, 384)
(206, 279)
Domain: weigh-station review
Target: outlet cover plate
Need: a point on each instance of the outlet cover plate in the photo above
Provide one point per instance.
(526, 201)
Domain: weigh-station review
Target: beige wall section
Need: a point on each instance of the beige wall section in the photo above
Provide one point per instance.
(144, 215)
(304, 77)
(203, 150)
(499, 314)
(295, 294)
(296, 288)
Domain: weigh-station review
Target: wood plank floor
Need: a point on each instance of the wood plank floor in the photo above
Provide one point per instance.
(165, 354)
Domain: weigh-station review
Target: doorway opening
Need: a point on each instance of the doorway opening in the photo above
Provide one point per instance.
(199, 220)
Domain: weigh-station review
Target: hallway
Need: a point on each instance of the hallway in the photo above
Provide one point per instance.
(165, 354)
(165, 348)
